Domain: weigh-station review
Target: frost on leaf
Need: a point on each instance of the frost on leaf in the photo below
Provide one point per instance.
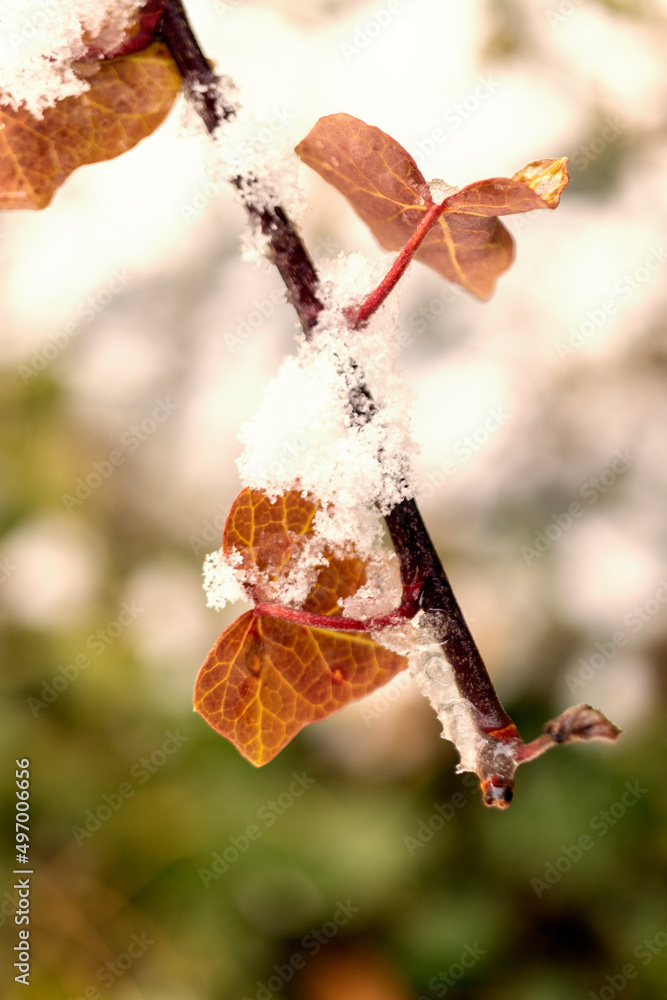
(267, 677)
(127, 99)
(468, 244)
(42, 39)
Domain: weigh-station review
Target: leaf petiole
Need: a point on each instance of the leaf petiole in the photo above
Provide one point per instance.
(357, 317)
(407, 609)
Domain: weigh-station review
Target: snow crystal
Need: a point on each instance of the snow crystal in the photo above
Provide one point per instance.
(479, 752)
(40, 39)
(226, 580)
(354, 460)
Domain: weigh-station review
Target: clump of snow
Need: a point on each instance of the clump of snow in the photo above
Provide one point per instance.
(292, 585)
(223, 580)
(229, 577)
(479, 752)
(40, 39)
(318, 431)
(335, 421)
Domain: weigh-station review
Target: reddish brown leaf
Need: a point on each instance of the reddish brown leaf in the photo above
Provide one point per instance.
(266, 677)
(468, 245)
(372, 170)
(128, 98)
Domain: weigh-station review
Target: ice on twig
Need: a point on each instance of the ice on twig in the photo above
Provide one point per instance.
(435, 679)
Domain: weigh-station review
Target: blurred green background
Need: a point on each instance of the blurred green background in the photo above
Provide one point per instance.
(165, 865)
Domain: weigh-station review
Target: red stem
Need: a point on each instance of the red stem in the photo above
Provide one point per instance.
(407, 609)
(358, 317)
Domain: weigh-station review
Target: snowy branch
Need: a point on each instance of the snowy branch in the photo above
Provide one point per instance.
(457, 683)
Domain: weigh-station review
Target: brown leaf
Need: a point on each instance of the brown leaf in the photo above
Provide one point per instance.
(468, 245)
(128, 98)
(372, 170)
(266, 677)
(581, 722)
